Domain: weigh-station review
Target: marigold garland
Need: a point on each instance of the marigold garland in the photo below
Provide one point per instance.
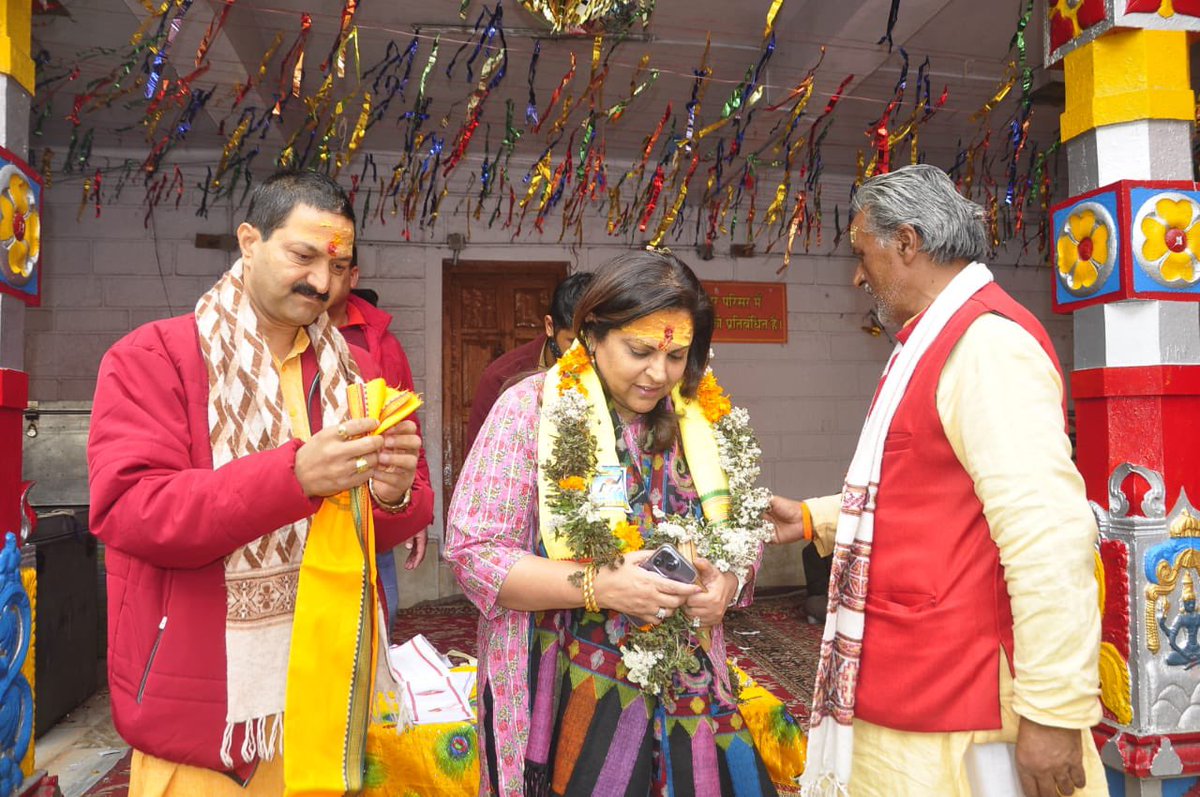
(572, 483)
(570, 365)
(712, 399)
(630, 537)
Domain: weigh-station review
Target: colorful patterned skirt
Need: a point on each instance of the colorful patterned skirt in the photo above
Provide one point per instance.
(592, 732)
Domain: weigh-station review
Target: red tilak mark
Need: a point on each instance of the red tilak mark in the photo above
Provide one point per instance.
(668, 335)
(331, 248)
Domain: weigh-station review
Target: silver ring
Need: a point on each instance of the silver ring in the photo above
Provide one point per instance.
(695, 622)
(661, 614)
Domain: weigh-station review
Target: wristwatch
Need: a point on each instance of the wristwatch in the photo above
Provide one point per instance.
(391, 509)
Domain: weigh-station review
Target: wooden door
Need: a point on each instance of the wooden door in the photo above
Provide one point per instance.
(488, 308)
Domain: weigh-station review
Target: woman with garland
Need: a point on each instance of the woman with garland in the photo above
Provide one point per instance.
(596, 675)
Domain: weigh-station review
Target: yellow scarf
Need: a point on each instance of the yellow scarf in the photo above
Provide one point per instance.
(334, 667)
(695, 434)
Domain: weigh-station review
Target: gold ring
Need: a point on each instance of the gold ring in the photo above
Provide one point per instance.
(361, 465)
(341, 431)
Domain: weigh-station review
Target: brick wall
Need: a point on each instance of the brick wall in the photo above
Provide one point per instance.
(106, 276)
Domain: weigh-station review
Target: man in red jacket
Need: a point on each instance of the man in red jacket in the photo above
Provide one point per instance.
(538, 354)
(215, 437)
(962, 641)
(366, 326)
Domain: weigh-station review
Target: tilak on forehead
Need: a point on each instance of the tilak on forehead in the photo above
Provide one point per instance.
(334, 246)
(662, 329)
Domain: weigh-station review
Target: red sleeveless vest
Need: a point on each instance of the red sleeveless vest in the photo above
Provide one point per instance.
(938, 609)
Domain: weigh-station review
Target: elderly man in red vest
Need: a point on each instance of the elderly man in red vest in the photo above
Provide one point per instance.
(960, 654)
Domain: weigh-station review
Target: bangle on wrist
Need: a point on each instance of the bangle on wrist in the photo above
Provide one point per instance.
(390, 508)
(589, 590)
(806, 517)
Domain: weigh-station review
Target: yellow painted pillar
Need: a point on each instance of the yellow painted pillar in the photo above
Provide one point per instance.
(1125, 76)
(15, 28)
(1126, 128)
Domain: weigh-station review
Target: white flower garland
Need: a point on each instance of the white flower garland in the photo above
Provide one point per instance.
(731, 545)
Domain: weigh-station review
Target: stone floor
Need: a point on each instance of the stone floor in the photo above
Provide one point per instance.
(82, 747)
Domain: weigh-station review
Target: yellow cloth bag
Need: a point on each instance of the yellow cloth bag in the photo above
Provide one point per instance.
(435, 760)
(337, 631)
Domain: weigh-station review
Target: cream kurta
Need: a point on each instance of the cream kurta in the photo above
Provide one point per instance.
(1000, 401)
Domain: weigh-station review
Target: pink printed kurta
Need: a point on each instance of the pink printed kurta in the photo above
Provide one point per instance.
(493, 523)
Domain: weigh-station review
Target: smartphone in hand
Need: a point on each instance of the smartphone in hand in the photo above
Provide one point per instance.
(670, 563)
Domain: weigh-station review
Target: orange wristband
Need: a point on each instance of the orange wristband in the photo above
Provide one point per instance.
(806, 514)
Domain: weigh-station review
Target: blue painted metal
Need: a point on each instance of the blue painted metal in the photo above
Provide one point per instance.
(16, 696)
(1178, 787)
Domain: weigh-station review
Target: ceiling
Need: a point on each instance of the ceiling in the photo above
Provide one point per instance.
(967, 43)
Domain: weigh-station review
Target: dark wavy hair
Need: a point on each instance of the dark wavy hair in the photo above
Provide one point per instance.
(637, 284)
(274, 199)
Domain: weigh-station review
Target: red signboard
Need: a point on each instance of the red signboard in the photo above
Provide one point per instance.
(749, 312)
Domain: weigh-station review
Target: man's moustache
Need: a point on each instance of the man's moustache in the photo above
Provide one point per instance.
(310, 292)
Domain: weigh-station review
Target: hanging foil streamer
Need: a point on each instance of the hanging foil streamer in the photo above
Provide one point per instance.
(669, 218)
(348, 11)
(289, 81)
(213, 30)
(562, 84)
(531, 112)
(615, 113)
(258, 75)
(163, 47)
(893, 16)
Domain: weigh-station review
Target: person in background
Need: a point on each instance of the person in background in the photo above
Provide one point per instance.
(366, 326)
(536, 355)
(963, 633)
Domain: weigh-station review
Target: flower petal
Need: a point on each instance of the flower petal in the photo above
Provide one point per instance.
(1100, 244)
(1193, 239)
(1068, 254)
(1179, 266)
(17, 254)
(6, 218)
(1156, 238)
(1085, 275)
(20, 193)
(1082, 224)
(33, 233)
(1177, 215)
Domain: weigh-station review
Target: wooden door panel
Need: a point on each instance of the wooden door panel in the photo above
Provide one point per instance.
(478, 308)
(488, 308)
(530, 307)
(477, 353)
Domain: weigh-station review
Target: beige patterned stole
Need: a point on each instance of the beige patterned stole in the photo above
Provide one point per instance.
(246, 415)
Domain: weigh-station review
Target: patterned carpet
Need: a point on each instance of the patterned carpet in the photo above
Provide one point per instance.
(771, 640)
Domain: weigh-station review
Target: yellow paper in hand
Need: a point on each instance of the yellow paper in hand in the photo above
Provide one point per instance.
(389, 405)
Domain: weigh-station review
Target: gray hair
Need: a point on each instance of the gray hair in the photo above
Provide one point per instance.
(923, 197)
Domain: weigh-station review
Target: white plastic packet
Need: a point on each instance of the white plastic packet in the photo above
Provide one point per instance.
(431, 692)
(992, 770)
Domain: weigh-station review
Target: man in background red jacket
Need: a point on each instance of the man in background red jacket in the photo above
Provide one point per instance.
(366, 326)
(536, 355)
